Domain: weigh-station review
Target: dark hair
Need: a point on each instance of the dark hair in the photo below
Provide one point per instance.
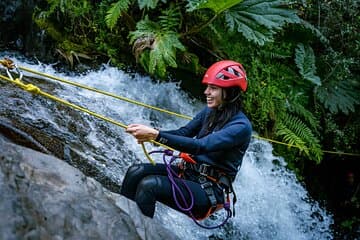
(232, 105)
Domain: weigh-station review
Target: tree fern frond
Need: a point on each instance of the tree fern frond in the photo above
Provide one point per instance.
(291, 138)
(295, 132)
(300, 110)
(114, 12)
(305, 61)
(259, 20)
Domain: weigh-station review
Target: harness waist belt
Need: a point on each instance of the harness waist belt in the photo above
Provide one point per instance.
(205, 170)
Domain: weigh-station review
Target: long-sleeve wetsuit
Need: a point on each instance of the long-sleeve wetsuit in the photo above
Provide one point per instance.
(223, 148)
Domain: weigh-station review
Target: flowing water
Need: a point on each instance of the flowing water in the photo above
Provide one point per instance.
(272, 203)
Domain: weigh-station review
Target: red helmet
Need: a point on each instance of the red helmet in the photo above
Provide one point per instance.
(225, 74)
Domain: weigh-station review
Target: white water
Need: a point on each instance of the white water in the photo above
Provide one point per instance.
(272, 204)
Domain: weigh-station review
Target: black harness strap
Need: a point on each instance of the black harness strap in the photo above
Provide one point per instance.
(207, 172)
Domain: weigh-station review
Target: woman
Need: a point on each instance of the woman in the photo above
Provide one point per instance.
(216, 139)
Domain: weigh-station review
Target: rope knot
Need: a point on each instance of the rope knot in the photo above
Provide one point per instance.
(32, 88)
(27, 87)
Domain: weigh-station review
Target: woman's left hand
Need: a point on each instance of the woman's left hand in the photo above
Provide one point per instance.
(142, 133)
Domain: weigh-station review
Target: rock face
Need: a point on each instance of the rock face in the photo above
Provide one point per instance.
(43, 197)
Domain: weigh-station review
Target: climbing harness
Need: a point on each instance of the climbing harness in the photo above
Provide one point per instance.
(204, 179)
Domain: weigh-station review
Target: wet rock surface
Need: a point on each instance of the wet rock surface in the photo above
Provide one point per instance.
(45, 198)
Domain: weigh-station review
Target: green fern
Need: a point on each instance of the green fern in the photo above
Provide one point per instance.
(296, 104)
(170, 19)
(114, 12)
(295, 132)
(305, 61)
(259, 20)
(299, 109)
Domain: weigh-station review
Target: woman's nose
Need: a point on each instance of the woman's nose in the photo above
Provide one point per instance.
(206, 92)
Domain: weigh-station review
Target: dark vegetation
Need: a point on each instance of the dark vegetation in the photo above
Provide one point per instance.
(302, 61)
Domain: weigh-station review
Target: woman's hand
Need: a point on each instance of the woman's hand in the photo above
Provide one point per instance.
(142, 133)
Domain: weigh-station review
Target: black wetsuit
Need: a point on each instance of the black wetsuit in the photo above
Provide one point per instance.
(223, 148)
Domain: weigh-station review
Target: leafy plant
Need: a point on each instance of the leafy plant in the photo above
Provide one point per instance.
(161, 42)
(259, 20)
(339, 96)
(305, 61)
(340, 89)
(148, 3)
(298, 107)
(214, 5)
(295, 132)
(115, 11)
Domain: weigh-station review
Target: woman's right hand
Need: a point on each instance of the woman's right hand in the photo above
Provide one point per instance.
(142, 132)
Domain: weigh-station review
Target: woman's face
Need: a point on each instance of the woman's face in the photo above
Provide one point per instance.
(213, 96)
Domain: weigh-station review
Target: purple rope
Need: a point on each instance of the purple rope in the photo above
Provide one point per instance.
(176, 190)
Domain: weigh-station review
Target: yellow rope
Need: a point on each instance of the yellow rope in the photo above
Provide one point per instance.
(152, 107)
(104, 93)
(36, 90)
(291, 145)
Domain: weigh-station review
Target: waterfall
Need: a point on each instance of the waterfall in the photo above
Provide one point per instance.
(272, 203)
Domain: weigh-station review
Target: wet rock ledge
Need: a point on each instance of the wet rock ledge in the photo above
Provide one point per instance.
(43, 197)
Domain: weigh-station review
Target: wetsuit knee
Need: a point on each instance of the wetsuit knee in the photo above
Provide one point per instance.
(146, 194)
(131, 180)
(134, 171)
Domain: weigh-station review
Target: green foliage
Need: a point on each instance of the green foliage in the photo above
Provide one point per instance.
(148, 3)
(259, 20)
(339, 96)
(115, 11)
(342, 138)
(305, 61)
(69, 7)
(295, 132)
(340, 89)
(265, 96)
(265, 35)
(170, 19)
(73, 32)
(163, 45)
(215, 5)
(297, 107)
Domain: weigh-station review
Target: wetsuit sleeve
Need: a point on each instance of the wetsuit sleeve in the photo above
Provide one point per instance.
(191, 129)
(232, 134)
